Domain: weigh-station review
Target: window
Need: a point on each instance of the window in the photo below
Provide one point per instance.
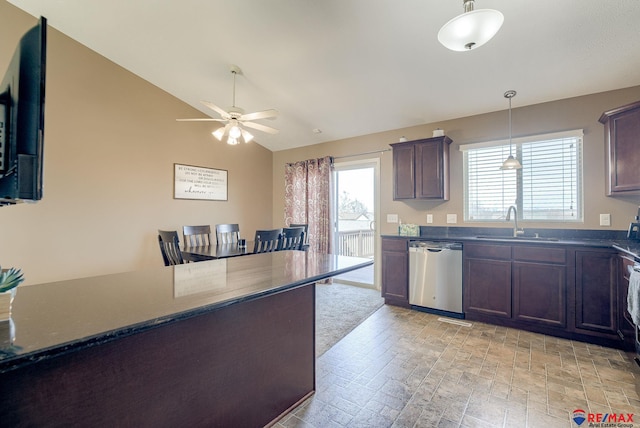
(547, 188)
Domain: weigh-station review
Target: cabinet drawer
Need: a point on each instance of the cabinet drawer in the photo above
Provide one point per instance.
(395, 245)
(488, 251)
(540, 254)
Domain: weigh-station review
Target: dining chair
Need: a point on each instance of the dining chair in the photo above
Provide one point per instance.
(267, 241)
(170, 247)
(227, 233)
(292, 238)
(305, 243)
(196, 236)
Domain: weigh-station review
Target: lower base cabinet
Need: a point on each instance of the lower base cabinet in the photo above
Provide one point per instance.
(395, 271)
(487, 280)
(562, 291)
(596, 292)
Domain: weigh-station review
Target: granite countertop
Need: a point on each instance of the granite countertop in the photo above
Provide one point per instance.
(578, 237)
(56, 317)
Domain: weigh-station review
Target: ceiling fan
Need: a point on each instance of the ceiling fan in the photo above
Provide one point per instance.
(236, 119)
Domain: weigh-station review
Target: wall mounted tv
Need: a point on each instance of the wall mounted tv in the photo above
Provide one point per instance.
(22, 119)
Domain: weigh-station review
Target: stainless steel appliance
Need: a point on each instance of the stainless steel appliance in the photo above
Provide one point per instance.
(435, 277)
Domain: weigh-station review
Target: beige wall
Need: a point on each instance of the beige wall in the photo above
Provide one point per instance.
(111, 140)
(574, 113)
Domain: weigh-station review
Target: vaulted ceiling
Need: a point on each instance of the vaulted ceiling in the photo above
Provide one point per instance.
(356, 67)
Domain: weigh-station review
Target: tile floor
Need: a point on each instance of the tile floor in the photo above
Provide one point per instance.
(404, 368)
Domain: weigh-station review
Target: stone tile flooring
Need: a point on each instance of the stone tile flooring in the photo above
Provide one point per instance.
(404, 368)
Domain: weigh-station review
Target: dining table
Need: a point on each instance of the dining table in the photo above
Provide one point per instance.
(214, 252)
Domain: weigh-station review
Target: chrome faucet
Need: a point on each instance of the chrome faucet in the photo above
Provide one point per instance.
(516, 230)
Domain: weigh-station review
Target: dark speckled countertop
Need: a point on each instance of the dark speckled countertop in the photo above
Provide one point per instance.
(49, 319)
(616, 239)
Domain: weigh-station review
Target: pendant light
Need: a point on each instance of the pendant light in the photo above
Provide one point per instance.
(472, 29)
(511, 162)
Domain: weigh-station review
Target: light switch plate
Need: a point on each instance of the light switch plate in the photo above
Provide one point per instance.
(392, 218)
(452, 218)
(605, 219)
(429, 218)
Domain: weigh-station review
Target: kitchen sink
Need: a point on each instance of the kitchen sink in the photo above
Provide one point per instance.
(519, 238)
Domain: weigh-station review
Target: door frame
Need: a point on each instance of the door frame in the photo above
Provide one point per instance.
(360, 164)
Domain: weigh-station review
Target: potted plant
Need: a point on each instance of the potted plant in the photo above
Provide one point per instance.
(9, 280)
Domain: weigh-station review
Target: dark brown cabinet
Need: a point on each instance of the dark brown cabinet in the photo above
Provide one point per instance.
(540, 286)
(421, 169)
(516, 285)
(395, 271)
(596, 296)
(622, 135)
(487, 280)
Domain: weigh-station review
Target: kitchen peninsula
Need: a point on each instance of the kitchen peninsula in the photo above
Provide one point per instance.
(217, 343)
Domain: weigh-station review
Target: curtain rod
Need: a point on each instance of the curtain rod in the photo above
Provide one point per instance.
(362, 154)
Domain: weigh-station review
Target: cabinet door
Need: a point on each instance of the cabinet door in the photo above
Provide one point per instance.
(622, 131)
(539, 293)
(403, 172)
(487, 288)
(596, 306)
(395, 271)
(429, 171)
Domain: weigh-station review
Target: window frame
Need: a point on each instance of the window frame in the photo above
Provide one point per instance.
(517, 143)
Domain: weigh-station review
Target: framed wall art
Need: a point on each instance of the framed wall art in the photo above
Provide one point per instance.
(196, 182)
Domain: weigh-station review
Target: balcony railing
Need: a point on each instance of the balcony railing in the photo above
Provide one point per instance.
(356, 243)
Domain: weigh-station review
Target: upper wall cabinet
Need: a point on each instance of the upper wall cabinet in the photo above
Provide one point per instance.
(622, 134)
(421, 169)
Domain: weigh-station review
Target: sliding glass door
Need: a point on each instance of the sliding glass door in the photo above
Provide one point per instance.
(355, 214)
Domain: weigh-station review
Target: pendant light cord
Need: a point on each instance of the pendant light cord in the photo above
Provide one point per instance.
(510, 94)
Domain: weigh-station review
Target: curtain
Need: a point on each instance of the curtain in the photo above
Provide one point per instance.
(307, 199)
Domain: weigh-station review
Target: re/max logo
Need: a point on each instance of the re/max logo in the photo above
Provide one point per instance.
(580, 416)
(610, 417)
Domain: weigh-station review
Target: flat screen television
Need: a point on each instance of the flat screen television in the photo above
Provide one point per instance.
(22, 119)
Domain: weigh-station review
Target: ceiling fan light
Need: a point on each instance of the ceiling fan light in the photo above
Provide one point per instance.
(235, 131)
(219, 133)
(471, 29)
(246, 136)
(232, 141)
(511, 163)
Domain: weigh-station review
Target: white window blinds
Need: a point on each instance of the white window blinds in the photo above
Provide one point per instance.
(547, 188)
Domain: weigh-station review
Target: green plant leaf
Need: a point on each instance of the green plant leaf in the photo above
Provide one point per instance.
(9, 279)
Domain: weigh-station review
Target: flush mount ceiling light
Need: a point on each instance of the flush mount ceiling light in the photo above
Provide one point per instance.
(472, 29)
(510, 162)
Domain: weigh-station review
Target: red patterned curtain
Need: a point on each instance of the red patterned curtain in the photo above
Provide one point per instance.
(307, 199)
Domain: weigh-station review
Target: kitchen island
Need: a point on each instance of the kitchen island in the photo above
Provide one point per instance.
(218, 343)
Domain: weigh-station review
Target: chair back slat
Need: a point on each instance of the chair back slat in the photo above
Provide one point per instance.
(227, 233)
(170, 247)
(267, 241)
(305, 243)
(196, 236)
(292, 238)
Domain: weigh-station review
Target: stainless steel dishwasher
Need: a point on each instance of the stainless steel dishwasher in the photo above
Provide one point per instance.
(435, 277)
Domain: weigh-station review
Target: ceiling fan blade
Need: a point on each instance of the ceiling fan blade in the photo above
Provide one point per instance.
(215, 108)
(266, 114)
(260, 127)
(202, 119)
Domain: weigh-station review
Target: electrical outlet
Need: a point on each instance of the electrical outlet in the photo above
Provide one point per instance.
(392, 218)
(605, 219)
(429, 218)
(452, 218)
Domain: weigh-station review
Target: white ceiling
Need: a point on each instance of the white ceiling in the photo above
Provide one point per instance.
(356, 67)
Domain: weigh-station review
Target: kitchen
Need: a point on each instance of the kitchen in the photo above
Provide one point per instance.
(97, 178)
